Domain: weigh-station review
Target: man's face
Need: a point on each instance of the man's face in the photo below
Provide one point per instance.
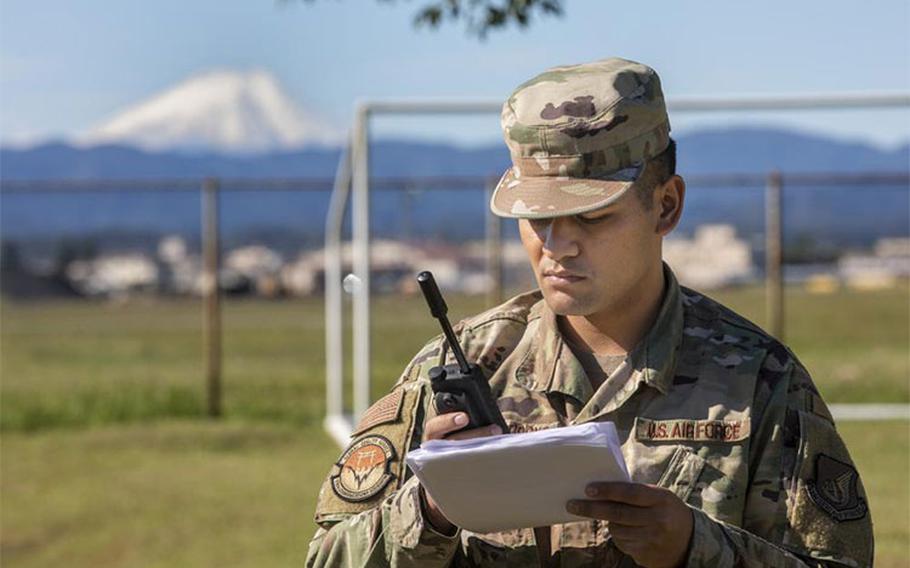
(593, 263)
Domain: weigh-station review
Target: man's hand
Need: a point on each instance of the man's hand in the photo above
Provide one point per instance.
(442, 427)
(649, 523)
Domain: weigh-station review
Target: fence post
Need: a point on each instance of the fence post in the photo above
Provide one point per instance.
(211, 296)
(494, 250)
(774, 271)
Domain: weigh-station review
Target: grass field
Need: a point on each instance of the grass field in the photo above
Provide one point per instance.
(106, 460)
(190, 493)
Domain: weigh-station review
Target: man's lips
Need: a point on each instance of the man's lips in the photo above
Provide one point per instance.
(561, 276)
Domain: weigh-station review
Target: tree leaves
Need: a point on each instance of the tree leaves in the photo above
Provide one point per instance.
(482, 16)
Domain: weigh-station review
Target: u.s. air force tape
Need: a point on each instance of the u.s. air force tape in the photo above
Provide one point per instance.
(363, 470)
(684, 430)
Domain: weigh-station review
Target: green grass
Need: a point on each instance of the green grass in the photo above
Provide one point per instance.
(87, 363)
(882, 455)
(174, 494)
(84, 363)
(192, 493)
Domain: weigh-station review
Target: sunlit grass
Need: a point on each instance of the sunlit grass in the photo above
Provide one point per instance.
(196, 493)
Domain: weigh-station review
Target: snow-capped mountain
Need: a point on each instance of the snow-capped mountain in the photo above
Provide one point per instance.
(227, 111)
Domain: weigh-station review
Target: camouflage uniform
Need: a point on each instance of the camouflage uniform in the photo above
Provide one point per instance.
(707, 405)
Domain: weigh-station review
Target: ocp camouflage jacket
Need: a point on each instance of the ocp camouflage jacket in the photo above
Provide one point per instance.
(708, 405)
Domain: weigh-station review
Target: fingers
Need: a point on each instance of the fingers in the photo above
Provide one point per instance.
(475, 433)
(615, 513)
(436, 428)
(623, 492)
(649, 523)
(444, 425)
(630, 504)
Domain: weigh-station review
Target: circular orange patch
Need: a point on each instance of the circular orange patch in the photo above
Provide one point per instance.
(363, 470)
(365, 457)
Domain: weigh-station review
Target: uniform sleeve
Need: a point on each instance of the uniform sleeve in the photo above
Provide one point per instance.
(805, 505)
(393, 534)
(369, 510)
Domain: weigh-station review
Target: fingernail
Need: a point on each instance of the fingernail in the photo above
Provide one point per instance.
(495, 430)
(461, 419)
(591, 491)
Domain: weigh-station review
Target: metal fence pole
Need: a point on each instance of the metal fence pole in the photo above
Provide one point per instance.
(494, 251)
(360, 237)
(774, 271)
(211, 296)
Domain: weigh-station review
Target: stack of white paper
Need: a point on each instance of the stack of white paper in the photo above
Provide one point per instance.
(517, 480)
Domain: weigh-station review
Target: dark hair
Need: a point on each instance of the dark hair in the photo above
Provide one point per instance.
(657, 171)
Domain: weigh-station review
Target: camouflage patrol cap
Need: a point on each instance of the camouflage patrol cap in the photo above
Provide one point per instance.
(579, 137)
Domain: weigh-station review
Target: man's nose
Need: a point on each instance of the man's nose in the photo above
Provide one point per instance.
(561, 239)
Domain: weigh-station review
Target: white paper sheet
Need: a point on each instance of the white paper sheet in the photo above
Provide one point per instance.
(517, 480)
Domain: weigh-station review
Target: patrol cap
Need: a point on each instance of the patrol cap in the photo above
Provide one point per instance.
(579, 136)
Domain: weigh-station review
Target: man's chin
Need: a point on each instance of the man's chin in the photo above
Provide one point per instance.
(564, 304)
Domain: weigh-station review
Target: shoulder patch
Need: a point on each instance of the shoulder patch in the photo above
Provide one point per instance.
(372, 466)
(384, 410)
(363, 470)
(834, 490)
(827, 506)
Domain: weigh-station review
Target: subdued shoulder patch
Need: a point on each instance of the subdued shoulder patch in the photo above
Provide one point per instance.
(384, 410)
(834, 489)
(827, 512)
(363, 470)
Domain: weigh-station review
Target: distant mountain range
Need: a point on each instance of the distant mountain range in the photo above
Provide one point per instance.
(736, 150)
(841, 215)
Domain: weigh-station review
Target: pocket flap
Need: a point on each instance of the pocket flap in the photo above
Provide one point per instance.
(682, 473)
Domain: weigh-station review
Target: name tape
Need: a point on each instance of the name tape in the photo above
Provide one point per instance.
(679, 430)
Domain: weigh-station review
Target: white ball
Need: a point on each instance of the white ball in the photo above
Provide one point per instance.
(351, 283)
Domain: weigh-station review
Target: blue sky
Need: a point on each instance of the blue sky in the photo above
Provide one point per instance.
(66, 66)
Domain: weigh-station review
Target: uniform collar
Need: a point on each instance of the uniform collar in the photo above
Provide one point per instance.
(552, 367)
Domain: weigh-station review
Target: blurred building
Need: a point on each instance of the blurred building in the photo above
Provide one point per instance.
(306, 274)
(713, 258)
(179, 271)
(888, 263)
(252, 269)
(114, 275)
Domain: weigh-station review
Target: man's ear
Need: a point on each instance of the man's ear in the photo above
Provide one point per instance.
(670, 197)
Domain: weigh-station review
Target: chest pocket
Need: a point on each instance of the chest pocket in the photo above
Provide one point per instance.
(701, 485)
(508, 548)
